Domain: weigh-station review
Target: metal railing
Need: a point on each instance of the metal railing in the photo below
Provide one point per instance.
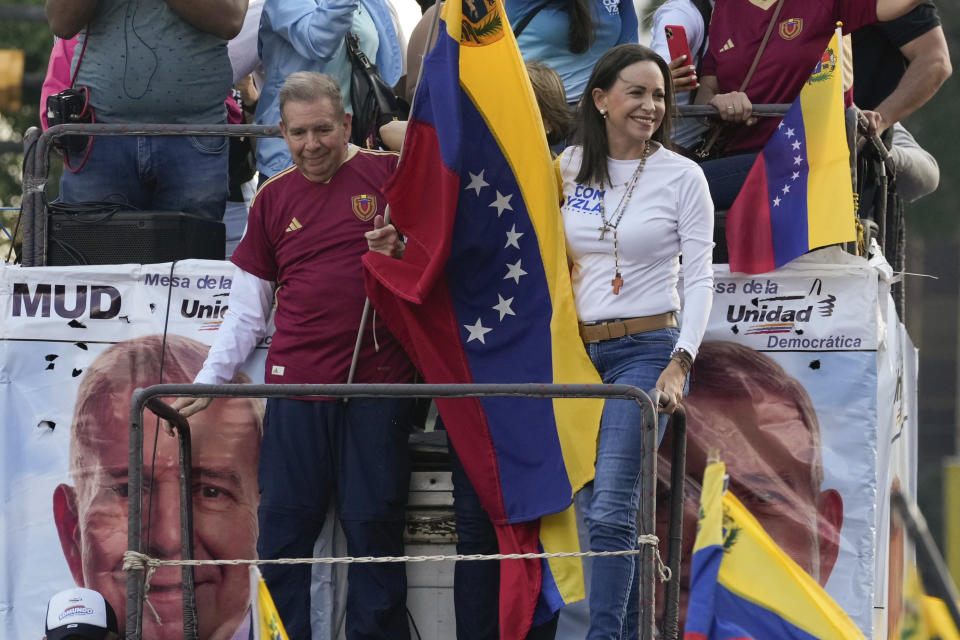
(36, 166)
(38, 146)
(151, 397)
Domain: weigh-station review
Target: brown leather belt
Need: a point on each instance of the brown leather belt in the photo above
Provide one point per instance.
(597, 331)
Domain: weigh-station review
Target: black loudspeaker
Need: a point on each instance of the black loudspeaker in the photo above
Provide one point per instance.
(123, 237)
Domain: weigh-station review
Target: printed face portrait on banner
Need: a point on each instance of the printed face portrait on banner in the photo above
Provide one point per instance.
(764, 425)
(91, 514)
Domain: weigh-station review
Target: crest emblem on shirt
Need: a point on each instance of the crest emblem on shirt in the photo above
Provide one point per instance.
(791, 28)
(364, 206)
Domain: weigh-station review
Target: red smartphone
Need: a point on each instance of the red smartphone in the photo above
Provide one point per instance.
(677, 43)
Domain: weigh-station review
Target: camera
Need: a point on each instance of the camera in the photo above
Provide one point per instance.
(70, 106)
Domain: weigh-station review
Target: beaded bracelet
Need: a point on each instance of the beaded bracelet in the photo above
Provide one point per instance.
(683, 358)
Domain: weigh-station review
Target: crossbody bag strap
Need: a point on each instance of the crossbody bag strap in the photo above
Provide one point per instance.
(763, 45)
(527, 17)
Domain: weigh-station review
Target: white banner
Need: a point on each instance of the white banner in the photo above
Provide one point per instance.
(813, 380)
(58, 323)
(820, 325)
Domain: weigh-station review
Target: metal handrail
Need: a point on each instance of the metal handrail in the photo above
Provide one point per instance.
(678, 472)
(708, 110)
(141, 397)
(36, 166)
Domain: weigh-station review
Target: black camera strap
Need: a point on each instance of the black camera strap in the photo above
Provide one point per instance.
(87, 109)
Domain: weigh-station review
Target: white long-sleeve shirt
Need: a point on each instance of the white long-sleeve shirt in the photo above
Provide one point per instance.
(244, 325)
(670, 213)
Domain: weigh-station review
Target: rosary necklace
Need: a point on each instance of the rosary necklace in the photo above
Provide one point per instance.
(614, 221)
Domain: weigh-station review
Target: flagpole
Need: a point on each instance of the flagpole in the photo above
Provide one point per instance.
(431, 36)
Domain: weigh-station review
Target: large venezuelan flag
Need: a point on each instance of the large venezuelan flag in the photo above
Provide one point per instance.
(798, 195)
(744, 587)
(483, 295)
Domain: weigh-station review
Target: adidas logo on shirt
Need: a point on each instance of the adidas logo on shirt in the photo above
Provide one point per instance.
(727, 45)
(293, 226)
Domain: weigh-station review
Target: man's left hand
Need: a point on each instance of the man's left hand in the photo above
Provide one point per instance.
(385, 239)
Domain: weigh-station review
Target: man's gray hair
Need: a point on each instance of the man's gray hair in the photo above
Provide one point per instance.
(310, 86)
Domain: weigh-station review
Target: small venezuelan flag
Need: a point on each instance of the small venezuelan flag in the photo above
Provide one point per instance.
(798, 195)
(744, 587)
(483, 295)
(267, 624)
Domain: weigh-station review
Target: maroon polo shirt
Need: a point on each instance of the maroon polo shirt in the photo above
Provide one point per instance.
(802, 33)
(308, 238)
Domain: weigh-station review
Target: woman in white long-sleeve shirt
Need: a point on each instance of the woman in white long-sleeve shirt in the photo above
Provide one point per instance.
(631, 208)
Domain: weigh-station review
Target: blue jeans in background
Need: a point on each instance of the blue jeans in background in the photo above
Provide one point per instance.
(152, 173)
(614, 496)
(726, 176)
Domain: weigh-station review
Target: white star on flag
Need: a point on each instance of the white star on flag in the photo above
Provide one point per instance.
(476, 182)
(786, 188)
(502, 202)
(797, 160)
(789, 133)
(514, 271)
(796, 145)
(776, 201)
(512, 236)
(477, 331)
(504, 307)
(796, 174)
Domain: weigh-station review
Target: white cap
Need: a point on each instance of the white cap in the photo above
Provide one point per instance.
(80, 613)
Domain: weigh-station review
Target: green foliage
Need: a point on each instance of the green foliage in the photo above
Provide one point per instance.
(35, 39)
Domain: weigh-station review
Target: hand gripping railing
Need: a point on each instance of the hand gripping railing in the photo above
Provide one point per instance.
(151, 397)
(36, 166)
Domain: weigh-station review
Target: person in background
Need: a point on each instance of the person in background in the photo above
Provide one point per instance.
(899, 65)
(918, 173)
(151, 61)
(694, 17)
(631, 208)
(566, 35)
(570, 35)
(308, 35)
(58, 73)
(799, 33)
(556, 114)
(80, 614)
(548, 90)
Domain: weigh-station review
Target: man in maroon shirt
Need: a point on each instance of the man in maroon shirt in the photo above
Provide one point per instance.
(302, 248)
(800, 32)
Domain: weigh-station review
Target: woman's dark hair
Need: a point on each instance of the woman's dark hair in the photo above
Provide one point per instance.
(591, 130)
(581, 33)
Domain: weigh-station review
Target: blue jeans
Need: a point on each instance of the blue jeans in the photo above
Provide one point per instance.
(726, 176)
(614, 496)
(152, 173)
(311, 450)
